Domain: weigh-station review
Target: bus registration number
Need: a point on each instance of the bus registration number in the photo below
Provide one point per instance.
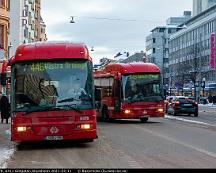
(54, 138)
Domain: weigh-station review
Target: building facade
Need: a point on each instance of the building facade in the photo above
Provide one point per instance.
(190, 52)
(202, 5)
(25, 22)
(4, 28)
(157, 47)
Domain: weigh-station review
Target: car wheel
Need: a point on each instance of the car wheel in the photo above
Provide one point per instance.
(196, 114)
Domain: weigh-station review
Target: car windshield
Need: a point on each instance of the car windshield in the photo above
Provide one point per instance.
(142, 87)
(63, 84)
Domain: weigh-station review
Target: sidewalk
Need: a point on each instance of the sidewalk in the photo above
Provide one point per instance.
(6, 146)
(208, 108)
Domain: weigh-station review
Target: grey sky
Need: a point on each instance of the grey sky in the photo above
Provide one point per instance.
(109, 36)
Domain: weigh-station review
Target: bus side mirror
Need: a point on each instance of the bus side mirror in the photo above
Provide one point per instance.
(3, 79)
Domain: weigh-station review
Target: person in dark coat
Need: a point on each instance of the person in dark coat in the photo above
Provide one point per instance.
(5, 108)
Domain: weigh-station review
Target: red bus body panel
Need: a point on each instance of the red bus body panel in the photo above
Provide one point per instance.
(138, 109)
(61, 123)
(51, 50)
(53, 123)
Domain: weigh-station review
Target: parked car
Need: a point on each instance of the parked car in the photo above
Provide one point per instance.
(191, 97)
(183, 105)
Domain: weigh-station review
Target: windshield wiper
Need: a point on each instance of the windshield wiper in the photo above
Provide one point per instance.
(42, 109)
(69, 106)
(68, 100)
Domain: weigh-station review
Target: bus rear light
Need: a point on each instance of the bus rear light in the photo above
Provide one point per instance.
(127, 111)
(84, 118)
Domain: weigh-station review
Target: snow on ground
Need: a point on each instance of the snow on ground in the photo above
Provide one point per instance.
(189, 121)
(5, 153)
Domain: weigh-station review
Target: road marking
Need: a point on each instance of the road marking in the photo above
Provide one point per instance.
(190, 121)
(131, 162)
(177, 141)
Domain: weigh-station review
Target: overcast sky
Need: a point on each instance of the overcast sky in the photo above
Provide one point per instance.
(108, 36)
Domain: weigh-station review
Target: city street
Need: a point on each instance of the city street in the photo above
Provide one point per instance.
(159, 143)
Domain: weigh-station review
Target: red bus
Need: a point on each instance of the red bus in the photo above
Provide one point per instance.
(129, 91)
(52, 94)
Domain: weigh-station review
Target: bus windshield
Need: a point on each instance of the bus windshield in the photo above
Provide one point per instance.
(48, 85)
(142, 87)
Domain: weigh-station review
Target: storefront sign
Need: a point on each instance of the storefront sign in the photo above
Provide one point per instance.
(212, 53)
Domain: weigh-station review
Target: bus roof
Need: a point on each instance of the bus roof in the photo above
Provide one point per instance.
(129, 68)
(51, 50)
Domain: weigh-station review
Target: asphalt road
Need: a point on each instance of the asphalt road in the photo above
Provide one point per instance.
(159, 143)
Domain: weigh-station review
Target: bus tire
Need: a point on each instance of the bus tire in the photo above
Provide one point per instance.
(143, 120)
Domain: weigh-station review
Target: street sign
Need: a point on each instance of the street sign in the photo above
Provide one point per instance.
(212, 49)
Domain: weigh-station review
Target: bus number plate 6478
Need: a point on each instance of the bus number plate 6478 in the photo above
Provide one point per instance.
(54, 138)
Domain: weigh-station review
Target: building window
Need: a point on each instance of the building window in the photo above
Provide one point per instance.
(1, 36)
(2, 3)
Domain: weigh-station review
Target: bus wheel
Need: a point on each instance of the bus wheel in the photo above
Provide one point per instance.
(105, 115)
(143, 120)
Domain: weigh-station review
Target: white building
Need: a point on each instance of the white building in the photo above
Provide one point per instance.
(189, 51)
(202, 5)
(25, 23)
(157, 47)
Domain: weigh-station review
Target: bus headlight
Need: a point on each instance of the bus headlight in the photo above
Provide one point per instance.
(21, 129)
(127, 111)
(160, 110)
(84, 126)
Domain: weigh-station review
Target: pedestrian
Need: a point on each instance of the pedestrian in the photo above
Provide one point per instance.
(5, 108)
(210, 98)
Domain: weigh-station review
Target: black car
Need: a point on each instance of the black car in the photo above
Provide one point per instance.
(183, 105)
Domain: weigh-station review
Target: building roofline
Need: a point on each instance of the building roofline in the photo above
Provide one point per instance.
(198, 15)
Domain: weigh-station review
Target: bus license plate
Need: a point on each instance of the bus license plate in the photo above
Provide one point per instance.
(54, 138)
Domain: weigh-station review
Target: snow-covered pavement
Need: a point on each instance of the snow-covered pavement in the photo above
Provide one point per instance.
(6, 147)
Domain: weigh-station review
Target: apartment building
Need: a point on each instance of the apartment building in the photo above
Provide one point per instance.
(4, 28)
(157, 47)
(25, 22)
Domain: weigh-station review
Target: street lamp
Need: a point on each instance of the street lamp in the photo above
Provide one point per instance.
(72, 19)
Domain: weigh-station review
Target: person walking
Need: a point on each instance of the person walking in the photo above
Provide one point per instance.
(5, 108)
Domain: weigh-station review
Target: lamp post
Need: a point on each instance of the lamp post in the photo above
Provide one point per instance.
(9, 47)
